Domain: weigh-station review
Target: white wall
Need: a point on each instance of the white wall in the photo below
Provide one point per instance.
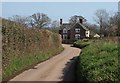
(87, 33)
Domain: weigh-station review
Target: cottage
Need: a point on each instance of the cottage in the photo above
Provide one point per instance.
(72, 32)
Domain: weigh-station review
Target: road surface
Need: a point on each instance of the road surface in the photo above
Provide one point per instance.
(56, 68)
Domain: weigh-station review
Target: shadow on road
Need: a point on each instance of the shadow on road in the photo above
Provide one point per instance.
(70, 69)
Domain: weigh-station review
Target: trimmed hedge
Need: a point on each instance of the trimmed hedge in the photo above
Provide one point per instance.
(23, 46)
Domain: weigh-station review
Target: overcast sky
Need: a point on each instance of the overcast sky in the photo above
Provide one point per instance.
(57, 10)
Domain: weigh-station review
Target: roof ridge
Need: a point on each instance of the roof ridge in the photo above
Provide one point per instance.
(71, 26)
(83, 26)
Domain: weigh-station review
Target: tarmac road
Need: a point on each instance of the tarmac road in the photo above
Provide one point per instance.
(57, 68)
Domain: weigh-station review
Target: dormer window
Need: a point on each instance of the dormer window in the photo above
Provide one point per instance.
(64, 30)
(77, 30)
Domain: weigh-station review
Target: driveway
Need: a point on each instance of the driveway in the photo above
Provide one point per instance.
(57, 68)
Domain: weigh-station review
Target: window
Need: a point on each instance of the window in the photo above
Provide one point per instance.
(77, 30)
(64, 37)
(77, 36)
(64, 30)
(87, 33)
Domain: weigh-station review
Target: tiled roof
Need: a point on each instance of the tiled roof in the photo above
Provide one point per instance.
(83, 26)
(68, 26)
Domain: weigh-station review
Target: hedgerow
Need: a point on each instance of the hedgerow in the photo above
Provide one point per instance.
(23, 46)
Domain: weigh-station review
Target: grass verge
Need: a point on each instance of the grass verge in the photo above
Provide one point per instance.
(98, 62)
(23, 62)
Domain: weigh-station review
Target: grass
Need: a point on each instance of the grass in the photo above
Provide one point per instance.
(98, 62)
(18, 64)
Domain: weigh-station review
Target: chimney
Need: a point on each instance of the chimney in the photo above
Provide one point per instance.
(81, 20)
(60, 21)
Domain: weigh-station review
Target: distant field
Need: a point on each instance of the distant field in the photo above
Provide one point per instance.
(98, 62)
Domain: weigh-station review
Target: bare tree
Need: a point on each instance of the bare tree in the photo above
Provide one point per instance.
(114, 19)
(75, 19)
(19, 19)
(118, 30)
(55, 26)
(39, 20)
(118, 19)
(102, 19)
(92, 27)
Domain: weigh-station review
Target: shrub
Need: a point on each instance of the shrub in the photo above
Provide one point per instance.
(81, 43)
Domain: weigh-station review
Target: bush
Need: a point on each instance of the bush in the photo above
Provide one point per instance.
(81, 43)
(98, 62)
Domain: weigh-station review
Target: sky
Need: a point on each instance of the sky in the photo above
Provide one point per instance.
(57, 10)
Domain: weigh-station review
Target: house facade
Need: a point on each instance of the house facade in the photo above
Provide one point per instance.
(72, 32)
